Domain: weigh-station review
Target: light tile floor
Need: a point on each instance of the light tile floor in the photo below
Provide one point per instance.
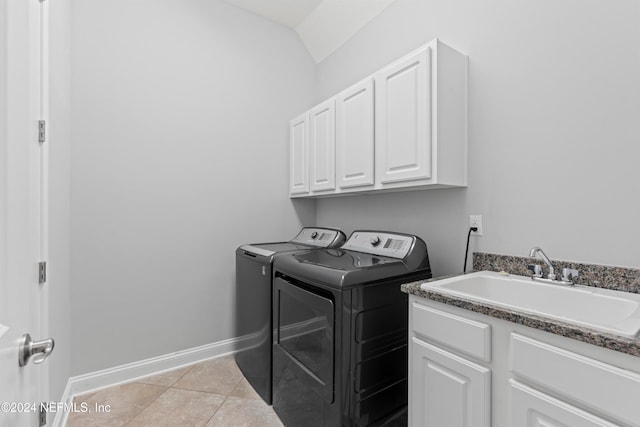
(212, 393)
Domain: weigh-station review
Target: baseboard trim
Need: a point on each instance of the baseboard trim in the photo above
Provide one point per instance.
(131, 371)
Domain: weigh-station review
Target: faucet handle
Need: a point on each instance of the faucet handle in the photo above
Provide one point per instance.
(535, 269)
(569, 274)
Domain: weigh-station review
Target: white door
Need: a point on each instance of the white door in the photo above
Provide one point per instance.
(322, 146)
(23, 201)
(403, 119)
(447, 390)
(354, 135)
(299, 155)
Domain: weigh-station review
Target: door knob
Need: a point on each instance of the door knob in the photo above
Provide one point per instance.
(39, 349)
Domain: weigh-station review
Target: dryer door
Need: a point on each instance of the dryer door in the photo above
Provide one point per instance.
(304, 338)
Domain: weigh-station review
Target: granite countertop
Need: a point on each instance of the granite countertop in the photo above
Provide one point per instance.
(591, 336)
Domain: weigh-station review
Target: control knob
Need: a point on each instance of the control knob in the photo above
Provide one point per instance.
(375, 241)
(314, 234)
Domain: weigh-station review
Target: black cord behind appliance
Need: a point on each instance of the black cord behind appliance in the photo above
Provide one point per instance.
(466, 252)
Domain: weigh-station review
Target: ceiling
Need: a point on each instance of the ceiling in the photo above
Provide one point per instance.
(289, 13)
(323, 25)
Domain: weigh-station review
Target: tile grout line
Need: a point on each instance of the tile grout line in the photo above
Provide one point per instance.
(161, 394)
(216, 411)
(143, 409)
(172, 386)
(226, 397)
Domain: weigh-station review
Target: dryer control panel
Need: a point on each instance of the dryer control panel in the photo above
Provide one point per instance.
(380, 243)
(321, 237)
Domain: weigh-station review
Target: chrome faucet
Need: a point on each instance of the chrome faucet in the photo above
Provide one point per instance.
(538, 251)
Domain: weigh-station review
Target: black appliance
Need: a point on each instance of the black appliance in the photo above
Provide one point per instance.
(253, 300)
(340, 331)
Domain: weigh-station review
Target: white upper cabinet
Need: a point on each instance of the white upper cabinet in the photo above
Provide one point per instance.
(421, 120)
(354, 138)
(403, 119)
(404, 127)
(322, 146)
(299, 155)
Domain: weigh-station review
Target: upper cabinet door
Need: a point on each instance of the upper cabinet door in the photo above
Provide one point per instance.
(299, 155)
(322, 146)
(354, 135)
(403, 119)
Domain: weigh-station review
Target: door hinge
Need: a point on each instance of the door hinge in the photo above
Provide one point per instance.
(42, 131)
(42, 272)
(42, 415)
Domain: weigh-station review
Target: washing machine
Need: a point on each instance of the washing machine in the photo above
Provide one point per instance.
(340, 350)
(253, 300)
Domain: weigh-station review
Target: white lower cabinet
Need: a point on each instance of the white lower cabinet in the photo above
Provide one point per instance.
(590, 383)
(449, 384)
(446, 389)
(531, 408)
(467, 369)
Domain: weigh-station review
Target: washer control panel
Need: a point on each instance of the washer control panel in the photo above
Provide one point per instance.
(321, 237)
(380, 243)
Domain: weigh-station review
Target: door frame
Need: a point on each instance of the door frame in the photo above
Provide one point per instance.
(24, 187)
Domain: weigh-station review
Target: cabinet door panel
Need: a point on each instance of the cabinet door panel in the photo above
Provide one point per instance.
(354, 135)
(531, 408)
(447, 390)
(299, 152)
(403, 119)
(564, 371)
(322, 146)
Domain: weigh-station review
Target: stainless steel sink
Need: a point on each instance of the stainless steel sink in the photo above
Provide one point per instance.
(602, 309)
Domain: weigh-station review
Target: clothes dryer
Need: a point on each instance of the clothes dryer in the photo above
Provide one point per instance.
(340, 350)
(253, 300)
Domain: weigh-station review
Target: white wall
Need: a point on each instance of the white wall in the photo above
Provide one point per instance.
(179, 150)
(553, 135)
(59, 194)
(179, 155)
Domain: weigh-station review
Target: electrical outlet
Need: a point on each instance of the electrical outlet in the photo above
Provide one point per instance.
(476, 221)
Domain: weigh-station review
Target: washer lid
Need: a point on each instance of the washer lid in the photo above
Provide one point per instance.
(307, 238)
(269, 249)
(340, 269)
(344, 260)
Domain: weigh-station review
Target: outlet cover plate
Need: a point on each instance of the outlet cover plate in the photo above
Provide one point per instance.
(476, 221)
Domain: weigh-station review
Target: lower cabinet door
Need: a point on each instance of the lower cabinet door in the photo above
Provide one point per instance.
(531, 408)
(447, 390)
